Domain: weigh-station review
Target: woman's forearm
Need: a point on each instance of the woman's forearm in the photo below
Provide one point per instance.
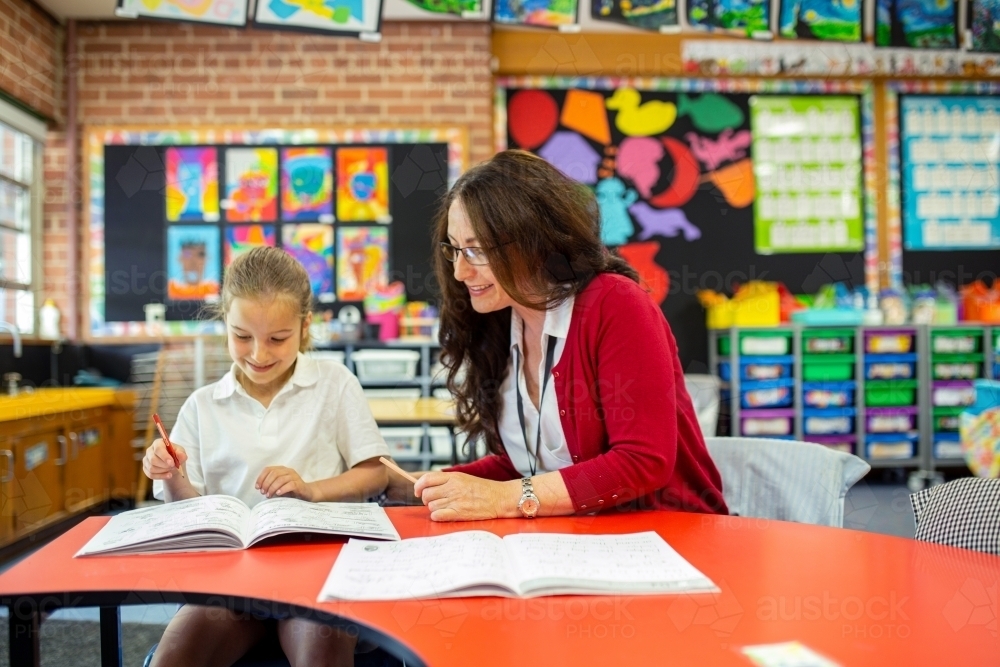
(553, 496)
(363, 481)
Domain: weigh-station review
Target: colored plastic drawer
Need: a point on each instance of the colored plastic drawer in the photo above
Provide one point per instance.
(766, 393)
(891, 446)
(767, 343)
(835, 421)
(946, 419)
(890, 420)
(766, 368)
(766, 423)
(952, 394)
(956, 341)
(725, 371)
(890, 366)
(896, 341)
(840, 443)
(827, 367)
(956, 367)
(828, 341)
(827, 394)
(947, 446)
(890, 393)
(723, 346)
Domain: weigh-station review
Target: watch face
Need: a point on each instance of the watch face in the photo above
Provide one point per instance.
(529, 506)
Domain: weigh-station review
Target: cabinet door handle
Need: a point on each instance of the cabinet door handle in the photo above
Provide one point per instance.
(63, 450)
(75, 439)
(9, 476)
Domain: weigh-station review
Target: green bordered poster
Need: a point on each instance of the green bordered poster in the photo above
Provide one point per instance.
(807, 162)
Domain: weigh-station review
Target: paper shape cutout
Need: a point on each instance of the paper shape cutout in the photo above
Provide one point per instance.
(241, 238)
(686, 175)
(614, 198)
(640, 120)
(639, 161)
(550, 13)
(652, 276)
(666, 222)
(573, 156)
(362, 184)
(985, 22)
(532, 116)
(583, 111)
(714, 152)
(919, 24)
(736, 183)
(312, 246)
(711, 112)
(193, 267)
(192, 184)
(362, 261)
(252, 184)
(827, 20)
(306, 184)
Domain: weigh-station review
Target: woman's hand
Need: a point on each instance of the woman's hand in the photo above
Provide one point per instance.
(159, 464)
(455, 496)
(285, 482)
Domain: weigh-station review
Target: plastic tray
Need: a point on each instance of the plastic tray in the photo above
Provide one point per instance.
(952, 394)
(766, 368)
(835, 421)
(827, 341)
(840, 443)
(888, 446)
(947, 446)
(402, 441)
(890, 420)
(890, 393)
(385, 365)
(828, 394)
(956, 366)
(766, 423)
(890, 366)
(956, 341)
(827, 367)
(766, 343)
(889, 341)
(766, 393)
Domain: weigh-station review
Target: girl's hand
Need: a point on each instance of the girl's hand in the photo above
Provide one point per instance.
(158, 464)
(455, 496)
(284, 482)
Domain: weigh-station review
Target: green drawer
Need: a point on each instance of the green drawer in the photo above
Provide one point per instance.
(827, 367)
(956, 341)
(890, 393)
(827, 341)
(724, 346)
(765, 342)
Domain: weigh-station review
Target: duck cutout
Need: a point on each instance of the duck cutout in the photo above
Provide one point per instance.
(640, 120)
(614, 199)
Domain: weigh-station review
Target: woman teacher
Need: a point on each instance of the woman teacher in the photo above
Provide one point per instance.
(571, 373)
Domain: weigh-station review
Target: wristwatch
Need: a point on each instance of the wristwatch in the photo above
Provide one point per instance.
(528, 505)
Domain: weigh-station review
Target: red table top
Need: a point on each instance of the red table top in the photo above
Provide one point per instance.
(858, 598)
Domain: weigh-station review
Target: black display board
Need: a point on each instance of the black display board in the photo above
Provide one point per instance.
(135, 223)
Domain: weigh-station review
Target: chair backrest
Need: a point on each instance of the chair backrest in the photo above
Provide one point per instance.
(962, 513)
(784, 479)
(704, 393)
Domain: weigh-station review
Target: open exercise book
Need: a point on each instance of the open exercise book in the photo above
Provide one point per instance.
(475, 562)
(210, 523)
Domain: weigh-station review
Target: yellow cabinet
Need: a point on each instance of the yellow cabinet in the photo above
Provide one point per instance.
(85, 479)
(37, 493)
(6, 488)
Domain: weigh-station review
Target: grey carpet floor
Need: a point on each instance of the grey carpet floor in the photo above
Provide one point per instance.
(78, 643)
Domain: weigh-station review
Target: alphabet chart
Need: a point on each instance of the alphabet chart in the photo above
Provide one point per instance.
(950, 148)
(807, 164)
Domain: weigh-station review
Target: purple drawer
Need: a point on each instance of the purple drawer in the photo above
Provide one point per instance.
(891, 420)
(765, 423)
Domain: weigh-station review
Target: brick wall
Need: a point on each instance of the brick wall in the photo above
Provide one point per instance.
(31, 56)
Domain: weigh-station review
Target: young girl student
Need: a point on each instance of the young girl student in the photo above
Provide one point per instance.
(278, 424)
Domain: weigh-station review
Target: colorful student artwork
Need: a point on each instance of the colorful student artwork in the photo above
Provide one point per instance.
(193, 267)
(336, 16)
(192, 184)
(222, 12)
(808, 169)
(251, 184)
(464, 8)
(646, 14)
(950, 166)
(306, 184)
(551, 13)
(984, 23)
(363, 184)
(827, 20)
(749, 17)
(919, 24)
(362, 261)
(241, 238)
(312, 246)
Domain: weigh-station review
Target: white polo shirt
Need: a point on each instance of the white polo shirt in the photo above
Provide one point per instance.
(554, 452)
(318, 424)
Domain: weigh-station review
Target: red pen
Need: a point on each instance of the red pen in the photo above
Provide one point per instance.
(166, 441)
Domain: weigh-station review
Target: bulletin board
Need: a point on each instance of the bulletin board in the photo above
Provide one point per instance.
(680, 179)
(943, 212)
(167, 210)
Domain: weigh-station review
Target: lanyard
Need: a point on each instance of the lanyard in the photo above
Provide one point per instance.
(550, 355)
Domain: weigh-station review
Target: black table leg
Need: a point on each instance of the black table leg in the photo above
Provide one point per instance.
(111, 637)
(24, 644)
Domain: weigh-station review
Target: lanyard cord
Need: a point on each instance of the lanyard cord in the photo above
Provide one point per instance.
(550, 355)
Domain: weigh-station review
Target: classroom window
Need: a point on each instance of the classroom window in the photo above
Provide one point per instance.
(20, 197)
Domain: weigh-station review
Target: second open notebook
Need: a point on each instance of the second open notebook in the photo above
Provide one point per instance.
(209, 523)
(475, 562)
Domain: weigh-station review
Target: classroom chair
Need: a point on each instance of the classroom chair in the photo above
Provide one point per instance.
(785, 479)
(964, 513)
(704, 393)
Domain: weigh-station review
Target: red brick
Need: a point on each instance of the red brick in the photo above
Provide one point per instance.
(361, 109)
(385, 94)
(197, 111)
(122, 95)
(102, 47)
(138, 112)
(299, 93)
(234, 47)
(147, 47)
(231, 111)
(321, 110)
(251, 94)
(276, 110)
(212, 95)
(447, 109)
(98, 110)
(404, 110)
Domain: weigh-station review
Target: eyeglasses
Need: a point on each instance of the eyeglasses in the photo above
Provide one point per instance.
(473, 255)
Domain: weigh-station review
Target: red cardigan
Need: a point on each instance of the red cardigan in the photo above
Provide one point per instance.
(628, 419)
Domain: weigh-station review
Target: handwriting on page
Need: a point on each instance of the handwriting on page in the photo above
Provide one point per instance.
(284, 514)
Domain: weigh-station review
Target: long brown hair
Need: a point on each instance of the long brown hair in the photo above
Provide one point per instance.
(541, 234)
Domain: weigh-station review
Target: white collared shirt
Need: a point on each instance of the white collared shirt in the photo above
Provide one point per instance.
(554, 452)
(318, 424)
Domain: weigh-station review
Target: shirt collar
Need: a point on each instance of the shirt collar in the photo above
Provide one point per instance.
(556, 322)
(306, 373)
